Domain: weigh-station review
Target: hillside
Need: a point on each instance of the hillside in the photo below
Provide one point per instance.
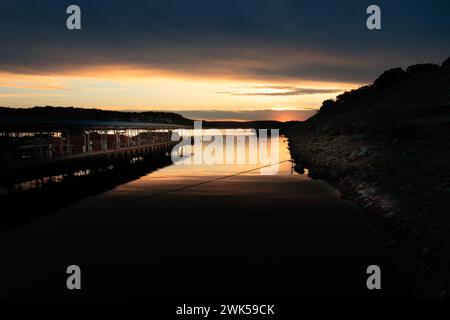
(386, 146)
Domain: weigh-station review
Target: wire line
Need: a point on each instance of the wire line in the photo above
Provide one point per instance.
(212, 180)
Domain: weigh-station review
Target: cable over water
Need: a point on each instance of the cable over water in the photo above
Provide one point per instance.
(215, 179)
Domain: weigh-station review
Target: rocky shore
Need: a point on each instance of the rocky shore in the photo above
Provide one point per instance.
(386, 147)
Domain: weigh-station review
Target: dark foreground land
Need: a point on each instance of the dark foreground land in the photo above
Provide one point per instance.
(386, 146)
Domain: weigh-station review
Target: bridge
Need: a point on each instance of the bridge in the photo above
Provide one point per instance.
(38, 148)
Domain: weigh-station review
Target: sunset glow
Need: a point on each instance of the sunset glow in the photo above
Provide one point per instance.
(243, 61)
(123, 88)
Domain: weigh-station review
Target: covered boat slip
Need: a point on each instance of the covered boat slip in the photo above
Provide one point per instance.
(33, 148)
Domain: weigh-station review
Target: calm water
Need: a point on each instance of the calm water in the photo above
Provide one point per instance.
(203, 232)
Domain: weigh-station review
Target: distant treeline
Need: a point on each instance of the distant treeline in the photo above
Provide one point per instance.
(72, 113)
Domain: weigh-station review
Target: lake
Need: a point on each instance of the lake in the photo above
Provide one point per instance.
(208, 232)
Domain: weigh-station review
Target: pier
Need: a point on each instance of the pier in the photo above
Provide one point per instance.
(34, 149)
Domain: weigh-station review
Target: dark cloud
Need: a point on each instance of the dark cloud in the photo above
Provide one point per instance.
(321, 40)
(274, 87)
(290, 91)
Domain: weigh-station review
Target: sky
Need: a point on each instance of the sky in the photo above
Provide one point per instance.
(215, 59)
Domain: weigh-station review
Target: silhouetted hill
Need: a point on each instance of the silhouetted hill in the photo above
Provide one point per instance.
(408, 104)
(72, 113)
(386, 146)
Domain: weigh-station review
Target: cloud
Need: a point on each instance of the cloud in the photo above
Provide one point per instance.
(254, 39)
(287, 91)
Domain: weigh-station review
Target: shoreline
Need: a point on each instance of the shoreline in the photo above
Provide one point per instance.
(360, 170)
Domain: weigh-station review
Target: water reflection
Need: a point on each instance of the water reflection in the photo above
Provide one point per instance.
(139, 177)
(228, 178)
(204, 232)
(37, 198)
